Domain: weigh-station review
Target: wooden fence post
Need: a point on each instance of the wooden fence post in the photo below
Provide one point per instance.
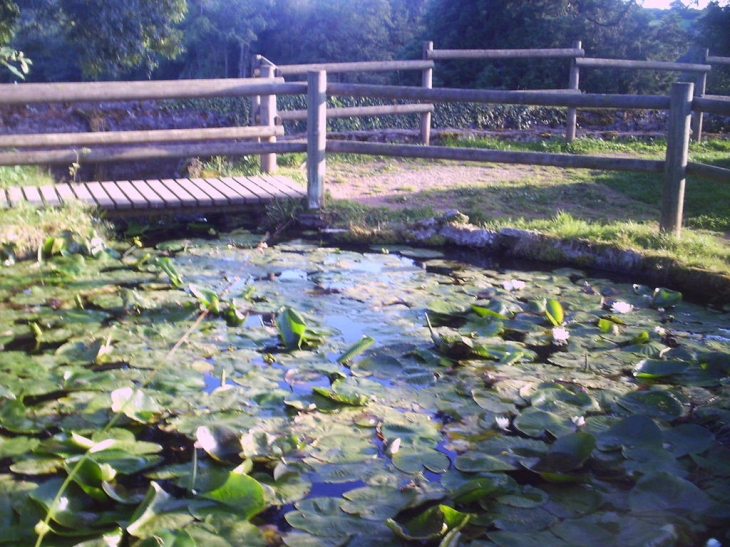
(700, 92)
(268, 118)
(316, 137)
(571, 122)
(675, 165)
(427, 83)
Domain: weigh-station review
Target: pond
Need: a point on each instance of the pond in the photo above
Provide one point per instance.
(226, 393)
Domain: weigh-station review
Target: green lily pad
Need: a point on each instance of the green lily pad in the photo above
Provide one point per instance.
(655, 403)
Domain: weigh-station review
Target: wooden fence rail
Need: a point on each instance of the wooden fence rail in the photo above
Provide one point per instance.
(134, 145)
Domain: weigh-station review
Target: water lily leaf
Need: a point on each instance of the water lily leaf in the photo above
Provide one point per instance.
(665, 298)
(663, 491)
(168, 538)
(688, 439)
(495, 310)
(518, 519)
(474, 462)
(73, 510)
(654, 368)
(220, 442)
(570, 501)
(488, 400)
(566, 454)
(584, 532)
(356, 349)
(323, 517)
(414, 460)
(554, 312)
(376, 502)
(293, 330)
(535, 422)
(17, 446)
(239, 494)
(636, 430)
(432, 524)
(526, 539)
(135, 404)
(655, 403)
(158, 511)
(527, 497)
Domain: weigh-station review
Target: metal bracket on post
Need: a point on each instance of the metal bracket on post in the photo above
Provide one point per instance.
(268, 118)
(426, 83)
(316, 137)
(571, 123)
(675, 165)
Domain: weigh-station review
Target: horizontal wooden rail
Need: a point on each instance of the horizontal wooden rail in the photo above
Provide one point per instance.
(710, 172)
(103, 155)
(360, 66)
(442, 54)
(712, 104)
(717, 60)
(651, 102)
(41, 140)
(495, 156)
(150, 90)
(360, 111)
(649, 65)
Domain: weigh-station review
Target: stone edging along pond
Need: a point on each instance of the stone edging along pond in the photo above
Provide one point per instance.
(452, 228)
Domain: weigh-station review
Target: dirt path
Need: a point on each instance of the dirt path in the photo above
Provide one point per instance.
(481, 190)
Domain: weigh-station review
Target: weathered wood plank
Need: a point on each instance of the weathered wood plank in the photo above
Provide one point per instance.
(259, 187)
(65, 193)
(272, 189)
(83, 194)
(213, 193)
(102, 199)
(239, 184)
(231, 195)
(15, 195)
(50, 197)
(161, 190)
(33, 195)
(286, 185)
(137, 200)
(185, 197)
(121, 202)
(150, 196)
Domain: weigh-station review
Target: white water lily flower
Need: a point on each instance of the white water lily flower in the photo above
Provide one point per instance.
(621, 307)
(712, 542)
(560, 336)
(513, 285)
(502, 422)
(578, 421)
(661, 331)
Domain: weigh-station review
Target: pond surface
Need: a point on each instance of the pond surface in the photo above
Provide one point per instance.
(221, 393)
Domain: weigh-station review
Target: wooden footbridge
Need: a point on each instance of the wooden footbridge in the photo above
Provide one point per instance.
(165, 196)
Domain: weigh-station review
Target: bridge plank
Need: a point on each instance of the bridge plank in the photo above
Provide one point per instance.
(33, 195)
(151, 198)
(161, 190)
(286, 185)
(136, 199)
(224, 193)
(272, 189)
(83, 194)
(121, 202)
(204, 185)
(185, 195)
(65, 193)
(100, 196)
(50, 197)
(235, 183)
(15, 195)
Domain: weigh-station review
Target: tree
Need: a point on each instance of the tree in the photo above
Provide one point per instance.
(714, 34)
(218, 35)
(109, 38)
(602, 25)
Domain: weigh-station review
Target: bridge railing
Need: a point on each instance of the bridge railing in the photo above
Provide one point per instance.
(101, 147)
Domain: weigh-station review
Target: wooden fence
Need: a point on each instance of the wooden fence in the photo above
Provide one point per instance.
(262, 139)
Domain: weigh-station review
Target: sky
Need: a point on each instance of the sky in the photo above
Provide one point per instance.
(664, 4)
